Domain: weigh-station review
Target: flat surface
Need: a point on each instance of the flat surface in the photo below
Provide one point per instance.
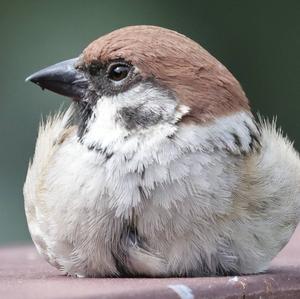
(23, 274)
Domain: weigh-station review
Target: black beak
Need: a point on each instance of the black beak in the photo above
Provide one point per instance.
(63, 78)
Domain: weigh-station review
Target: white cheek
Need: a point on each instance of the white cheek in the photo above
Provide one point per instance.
(106, 130)
(103, 129)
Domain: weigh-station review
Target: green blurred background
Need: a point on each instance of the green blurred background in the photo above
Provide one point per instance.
(259, 41)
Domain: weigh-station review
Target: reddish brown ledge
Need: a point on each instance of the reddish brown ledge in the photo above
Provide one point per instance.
(23, 274)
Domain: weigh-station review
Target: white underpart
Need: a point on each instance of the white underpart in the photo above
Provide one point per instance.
(203, 204)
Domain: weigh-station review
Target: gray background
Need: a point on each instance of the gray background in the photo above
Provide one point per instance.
(259, 41)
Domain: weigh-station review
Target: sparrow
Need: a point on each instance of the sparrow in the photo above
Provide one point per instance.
(158, 167)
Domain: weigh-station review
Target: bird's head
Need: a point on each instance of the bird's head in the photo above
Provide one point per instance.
(142, 78)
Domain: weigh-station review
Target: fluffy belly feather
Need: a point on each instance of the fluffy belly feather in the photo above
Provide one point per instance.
(192, 211)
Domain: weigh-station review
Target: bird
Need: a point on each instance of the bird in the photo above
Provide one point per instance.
(158, 167)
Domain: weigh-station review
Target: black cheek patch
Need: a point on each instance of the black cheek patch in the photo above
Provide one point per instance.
(139, 117)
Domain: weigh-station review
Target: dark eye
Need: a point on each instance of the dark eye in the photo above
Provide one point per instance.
(118, 72)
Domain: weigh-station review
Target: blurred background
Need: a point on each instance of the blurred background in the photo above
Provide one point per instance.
(259, 41)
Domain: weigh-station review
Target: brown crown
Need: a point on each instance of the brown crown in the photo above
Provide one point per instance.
(198, 79)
